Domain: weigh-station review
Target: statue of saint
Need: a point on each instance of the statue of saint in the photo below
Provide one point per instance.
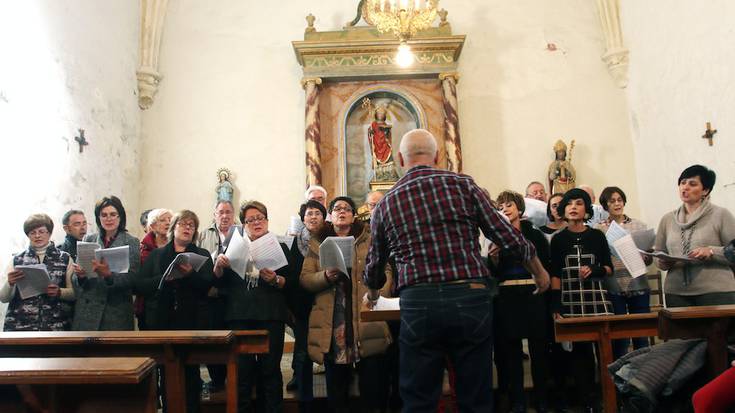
(562, 176)
(381, 147)
(224, 188)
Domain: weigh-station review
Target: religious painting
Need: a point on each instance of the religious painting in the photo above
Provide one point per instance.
(374, 125)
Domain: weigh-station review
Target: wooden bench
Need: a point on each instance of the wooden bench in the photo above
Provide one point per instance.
(80, 385)
(602, 330)
(172, 349)
(713, 323)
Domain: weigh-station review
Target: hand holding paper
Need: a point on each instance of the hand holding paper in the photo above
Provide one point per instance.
(630, 256)
(238, 253)
(267, 252)
(35, 280)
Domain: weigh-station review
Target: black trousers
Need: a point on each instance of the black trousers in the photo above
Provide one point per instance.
(371, 372)
(262, 370)
(509, 353)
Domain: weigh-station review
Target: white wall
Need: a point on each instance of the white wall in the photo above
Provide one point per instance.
(66, 65)
(681, 76)
(231, 97)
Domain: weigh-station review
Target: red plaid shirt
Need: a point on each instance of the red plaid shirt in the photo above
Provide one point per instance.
(429, 223)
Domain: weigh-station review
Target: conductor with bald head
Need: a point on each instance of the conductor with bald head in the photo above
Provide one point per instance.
(429, 223)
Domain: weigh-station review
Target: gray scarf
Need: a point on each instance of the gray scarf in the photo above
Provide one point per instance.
(687, 225)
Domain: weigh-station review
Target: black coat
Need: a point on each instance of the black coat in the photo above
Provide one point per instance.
(175, 306)
(262, 302)
(518, 312)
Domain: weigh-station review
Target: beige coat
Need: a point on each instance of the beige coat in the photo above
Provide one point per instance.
(372, 337)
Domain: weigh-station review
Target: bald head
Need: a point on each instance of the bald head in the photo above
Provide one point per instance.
(589, 190)
(418, 147)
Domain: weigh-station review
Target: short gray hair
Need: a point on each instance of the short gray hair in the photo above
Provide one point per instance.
(418, 142)
(156, 214)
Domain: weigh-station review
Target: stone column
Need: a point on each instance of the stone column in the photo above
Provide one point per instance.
(616, 54)
(152, 14)
(452, 143)
(313, 133)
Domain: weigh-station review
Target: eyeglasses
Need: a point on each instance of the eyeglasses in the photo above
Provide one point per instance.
(189, 225)
(255, 220)
(341, 209)
(39, 232)
(111, 215)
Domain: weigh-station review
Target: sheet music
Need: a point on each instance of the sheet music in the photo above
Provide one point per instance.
(117, 258)
(484, 246)
(614, 233)
(267, 252)
(661, 254)
(85, 255)
(644, 239)
(172, 271)
(387, 304)
(238, 252)
(629, 255)
(336, 252)
(295, 225)
(34, 282)
(286, 239)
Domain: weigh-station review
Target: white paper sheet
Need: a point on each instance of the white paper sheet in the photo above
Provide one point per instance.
(336, 252)
(644, 239)
(295, 225)
(238, 252)
(85, 255)
(386, 304)
(172, 271)
(34, 282)
(661, 254)
(267, 252)
(614, 233)
(286, 239)
(630, 256)
(117, 258)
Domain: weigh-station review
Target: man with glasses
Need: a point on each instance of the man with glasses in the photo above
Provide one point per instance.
(75, 226)
(430, 223)
(215, 239)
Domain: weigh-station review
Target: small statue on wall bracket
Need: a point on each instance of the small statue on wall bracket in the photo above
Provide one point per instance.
(561, 175)
(224, 188)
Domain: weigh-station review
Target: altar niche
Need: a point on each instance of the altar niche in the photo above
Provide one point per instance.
(373, 127)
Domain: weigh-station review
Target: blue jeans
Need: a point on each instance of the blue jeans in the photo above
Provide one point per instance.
(439, 321)
(633, 304)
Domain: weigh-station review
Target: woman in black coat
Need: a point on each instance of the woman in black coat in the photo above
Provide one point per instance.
(519, 313)
(172, 302)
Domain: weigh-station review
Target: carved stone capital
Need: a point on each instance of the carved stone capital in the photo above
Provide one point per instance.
(148, 79)
(617, 65)
(152, 14)
(616, 54)
(314, 80)
(452, 75)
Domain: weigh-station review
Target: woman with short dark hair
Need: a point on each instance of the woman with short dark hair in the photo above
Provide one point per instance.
(628, 295)
(520, 313)
(300, 300)
(50, 311)
(556, 222)
(256, 301)
(337, 337)
(699, 230)
(105, 302)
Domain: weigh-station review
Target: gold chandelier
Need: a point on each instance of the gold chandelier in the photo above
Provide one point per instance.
(404, 18)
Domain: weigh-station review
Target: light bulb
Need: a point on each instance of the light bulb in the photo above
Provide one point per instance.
(404, 57)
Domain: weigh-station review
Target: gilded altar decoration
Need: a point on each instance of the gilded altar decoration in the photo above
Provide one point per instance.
(224, 189)
(562, 176)
(403, 18)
